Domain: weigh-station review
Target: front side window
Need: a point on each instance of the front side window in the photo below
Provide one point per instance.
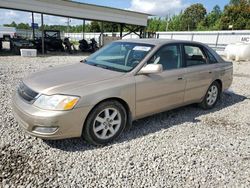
(120, 56)
(194, 56)
(168, 56)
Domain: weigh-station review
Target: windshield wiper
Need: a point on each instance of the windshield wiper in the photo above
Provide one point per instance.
(106, 67)
(102, 66)
(83, 61)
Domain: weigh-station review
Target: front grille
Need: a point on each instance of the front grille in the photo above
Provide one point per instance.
(26, 93)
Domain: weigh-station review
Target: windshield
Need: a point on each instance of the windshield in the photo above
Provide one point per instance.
(120, 56)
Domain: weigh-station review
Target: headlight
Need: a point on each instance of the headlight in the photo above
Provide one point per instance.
(56, 102)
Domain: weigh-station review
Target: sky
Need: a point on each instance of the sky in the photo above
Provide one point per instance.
(154, 7)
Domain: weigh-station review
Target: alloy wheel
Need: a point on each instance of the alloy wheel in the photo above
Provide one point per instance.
(212, 95)
(107, 123)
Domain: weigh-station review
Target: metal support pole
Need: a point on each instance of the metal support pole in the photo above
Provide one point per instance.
(33, 28)
(83, 28)
(102, 39)
(121, 30)
(192, 37)
(217, 39)
(141, 32)
(113, 35)
(68, 25)
(42, 28)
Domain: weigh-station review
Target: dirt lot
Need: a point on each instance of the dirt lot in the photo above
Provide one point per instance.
(183, 147)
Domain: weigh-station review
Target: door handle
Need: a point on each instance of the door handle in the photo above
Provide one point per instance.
(180, 78)
(210, 72)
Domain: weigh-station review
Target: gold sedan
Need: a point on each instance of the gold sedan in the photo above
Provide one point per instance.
(122, 82)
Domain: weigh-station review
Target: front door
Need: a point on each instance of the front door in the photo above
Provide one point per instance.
(159, 92)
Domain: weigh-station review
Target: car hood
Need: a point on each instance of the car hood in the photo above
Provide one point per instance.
(64, 79)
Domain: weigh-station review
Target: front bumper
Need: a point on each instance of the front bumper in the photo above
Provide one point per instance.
(65, 124)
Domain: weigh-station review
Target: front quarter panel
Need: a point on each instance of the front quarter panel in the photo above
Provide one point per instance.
(122, 88)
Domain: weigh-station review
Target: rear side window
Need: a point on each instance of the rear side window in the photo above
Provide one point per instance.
(194, 56)
(211, 58)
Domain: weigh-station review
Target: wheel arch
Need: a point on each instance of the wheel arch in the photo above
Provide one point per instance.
(122, 102)
(220, 84)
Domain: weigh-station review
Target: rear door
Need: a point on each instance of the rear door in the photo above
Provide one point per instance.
(199, 72)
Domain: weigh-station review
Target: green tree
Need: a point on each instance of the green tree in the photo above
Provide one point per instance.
(23, 26)
(234, 2)
(236, 14)
(193, 15)
(111, 27)
(237, 2)
(164, 24)
(95, 27)
(211, 21)
(157, 24)
(175, 23)
(153, 24)
(13, 24)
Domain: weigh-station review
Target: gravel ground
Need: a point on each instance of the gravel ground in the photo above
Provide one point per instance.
(186, 147)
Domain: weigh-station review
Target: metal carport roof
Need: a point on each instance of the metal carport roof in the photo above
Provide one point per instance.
(77, 10)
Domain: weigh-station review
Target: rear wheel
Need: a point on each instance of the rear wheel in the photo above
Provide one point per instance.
(212, 96)
(105, 123)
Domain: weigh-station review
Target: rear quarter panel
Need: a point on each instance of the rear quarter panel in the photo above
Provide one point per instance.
(223, 70)
(226, 74)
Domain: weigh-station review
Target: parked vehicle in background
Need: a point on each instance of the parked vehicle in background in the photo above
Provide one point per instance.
(19, 43)
(7, 33)
(124, 81)
(52, 41)
(84, 46)
(1, 44)
(69, 47)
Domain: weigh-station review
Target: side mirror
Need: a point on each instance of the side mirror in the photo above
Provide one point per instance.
(151, 69)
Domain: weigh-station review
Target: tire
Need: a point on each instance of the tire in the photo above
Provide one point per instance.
(16, 50)
(105, 123)
(212, 96)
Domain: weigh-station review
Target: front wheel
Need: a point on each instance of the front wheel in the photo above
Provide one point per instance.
(211, 97)
(105, 123)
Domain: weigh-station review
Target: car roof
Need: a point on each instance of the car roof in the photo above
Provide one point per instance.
(158, 42)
